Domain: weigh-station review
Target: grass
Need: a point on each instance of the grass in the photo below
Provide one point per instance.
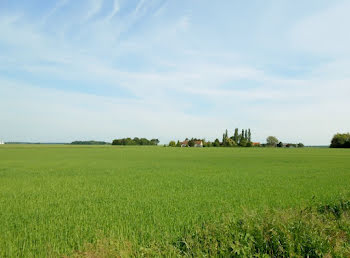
(110, 201)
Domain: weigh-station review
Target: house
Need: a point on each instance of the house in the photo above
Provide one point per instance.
(255, 144)
(184, 143)
(198, 144)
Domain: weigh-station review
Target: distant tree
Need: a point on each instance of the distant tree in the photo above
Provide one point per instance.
(208, 144)
(216, 143)
(224, 138)
(144, 141)
(272, 141)
(300, 145)
(230, 143)
(191, 142)
(249, 136)
(236, 136)
(243, 142)
(154, 142)
(129, 141)
(117, 142)
(89, 143)
(280, 144)
(246, 135)
(178, 144)
(135, 141)
(172, 144)
(341, 141)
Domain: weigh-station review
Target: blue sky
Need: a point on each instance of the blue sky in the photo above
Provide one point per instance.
(104, 69)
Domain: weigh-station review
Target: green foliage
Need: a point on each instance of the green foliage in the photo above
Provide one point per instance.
(108, 201)
(89, 143)
(135, 141)
(216, 143)
(172, 144)
(291, 233)
(272, 141)
(229, 143)
(341, 141)
(178, 144)
(280, 144)
(224, 138)
(236, 136)
(243, 140)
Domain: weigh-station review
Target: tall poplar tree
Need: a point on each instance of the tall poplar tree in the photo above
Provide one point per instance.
(224, 137)
(235, 136)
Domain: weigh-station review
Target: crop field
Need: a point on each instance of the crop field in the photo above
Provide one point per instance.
(58, 200)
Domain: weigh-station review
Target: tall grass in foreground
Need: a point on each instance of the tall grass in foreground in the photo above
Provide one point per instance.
(154, 201)
(312, 232)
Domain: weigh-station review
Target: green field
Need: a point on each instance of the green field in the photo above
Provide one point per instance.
(67, 200)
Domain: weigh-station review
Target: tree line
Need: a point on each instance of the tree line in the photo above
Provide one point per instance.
(239, 138)
(272, 141)
(135, 141)
(89, 143)
(242, 139)
(341, 140)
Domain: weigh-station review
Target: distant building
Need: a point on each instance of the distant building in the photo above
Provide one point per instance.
(256, 144)
(184, 143)
(198, 144)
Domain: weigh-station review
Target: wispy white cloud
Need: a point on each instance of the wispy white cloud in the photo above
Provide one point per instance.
(59, 4)
(179, 79)
(94, 8)
(115, 10)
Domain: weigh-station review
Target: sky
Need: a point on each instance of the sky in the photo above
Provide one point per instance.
(171, 69)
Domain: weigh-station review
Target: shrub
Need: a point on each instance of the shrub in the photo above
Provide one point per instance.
(341, 141)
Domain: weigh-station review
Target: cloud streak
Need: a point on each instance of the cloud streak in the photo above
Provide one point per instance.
(160, 66)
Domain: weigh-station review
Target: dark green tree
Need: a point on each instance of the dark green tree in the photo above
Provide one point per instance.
(242, 136)
(236, 136)
(191, 142)
(224, 138)
(154, 142)
(341, 141)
